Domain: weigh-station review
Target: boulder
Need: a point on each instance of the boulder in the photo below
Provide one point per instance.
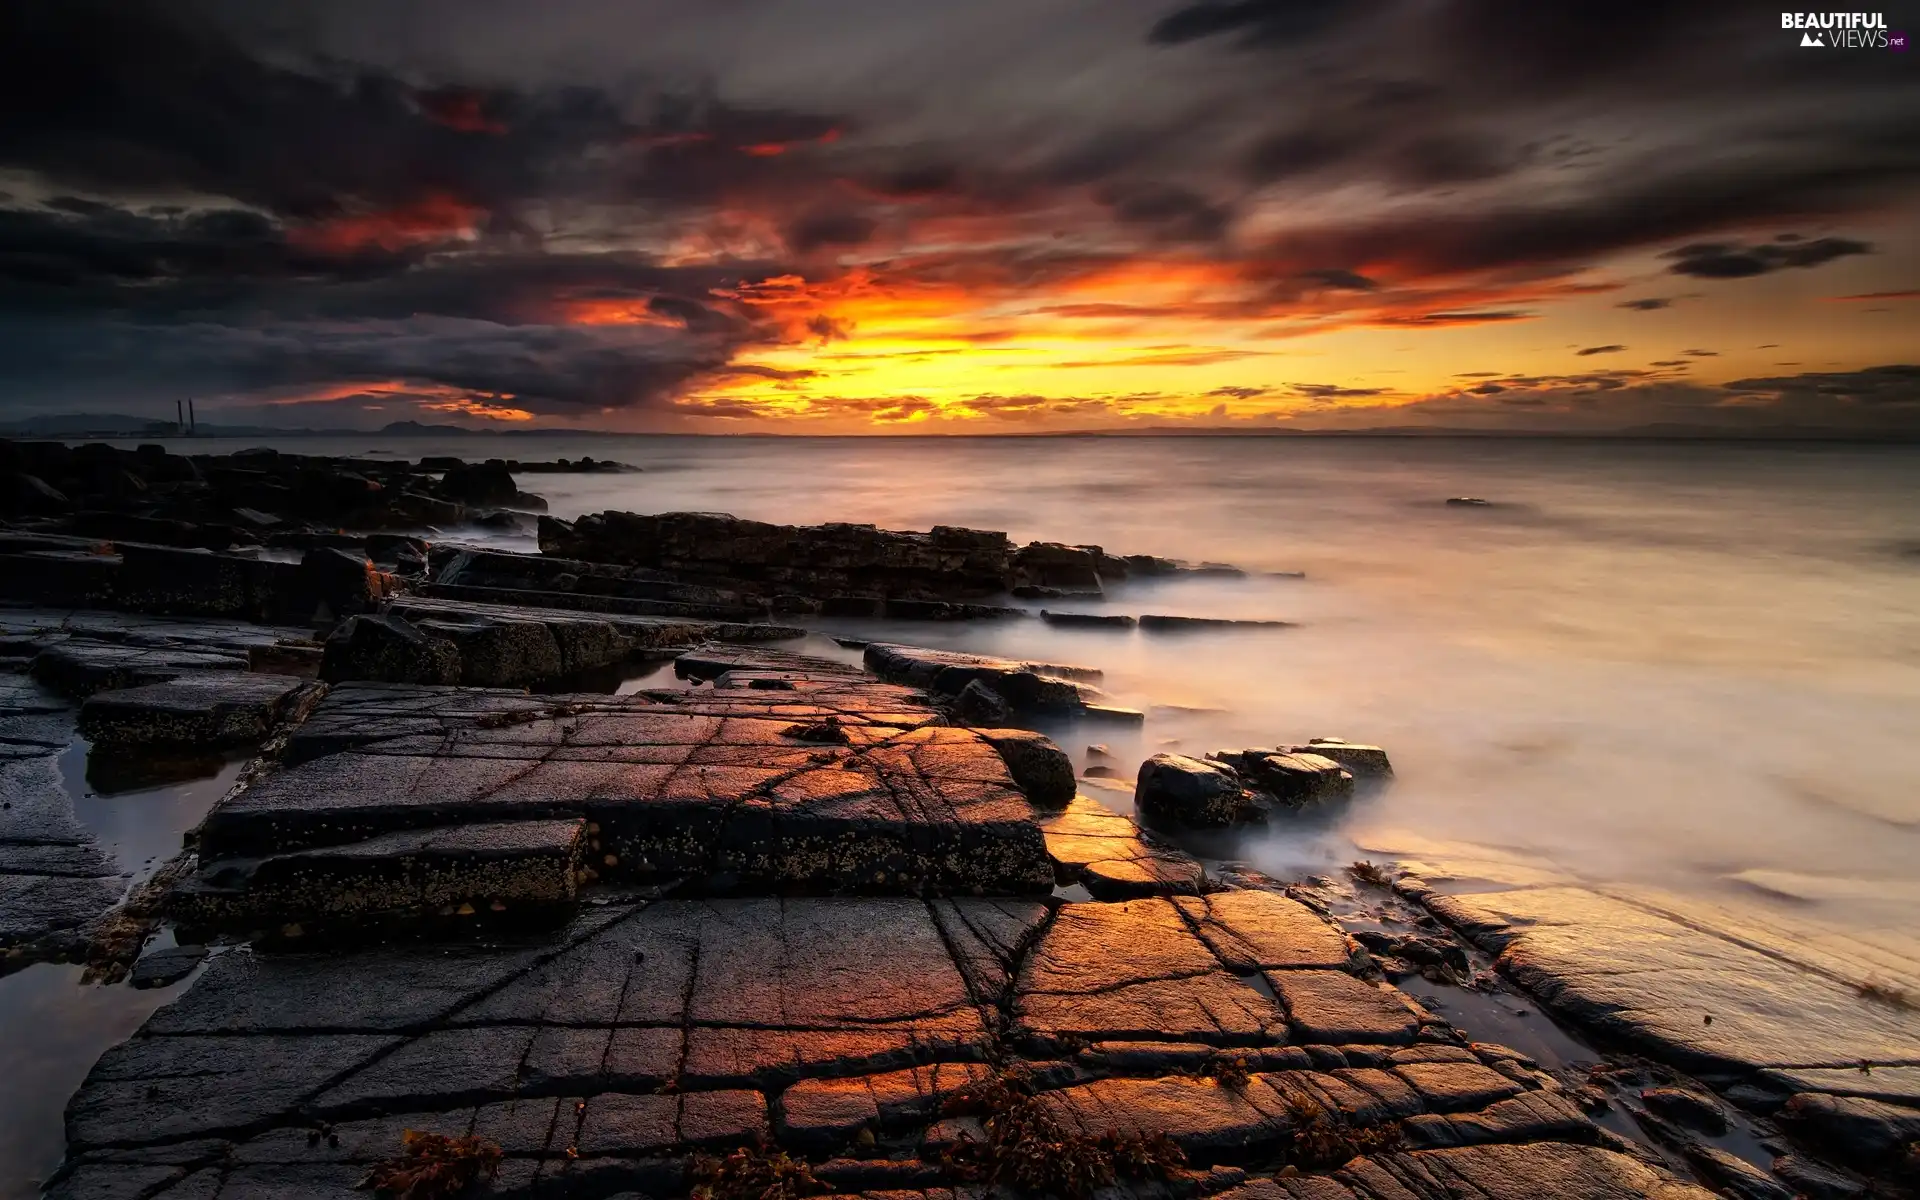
(1365, 762)
(979, 704)
(388, 649)
(488, 482)
(23, 495)
(500, 653)
(345, 581)
(1190, 791)
(1041, 769)
(1300, 780)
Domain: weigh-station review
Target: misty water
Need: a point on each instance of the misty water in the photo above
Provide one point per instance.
(1689, 665)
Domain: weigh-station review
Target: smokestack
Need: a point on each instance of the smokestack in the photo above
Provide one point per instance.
(193, 422)
(179, 418)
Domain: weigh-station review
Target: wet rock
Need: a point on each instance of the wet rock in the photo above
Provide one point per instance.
(711, 784)
(1190, 791)
(388, 649)
(29, 495)
(201, 709)
(513, 863)
(1867, 1132)
(1162, 623)
(81, 668)
(169, 966)
(1365, 762)
(489, 482)
(1112, 858)
(1299, 780)
(1686, 1107)
(1041, 769)
(1634, 975)
(1088, 620)
(1811, 1180)
(1733, 1175)
(343, 581)
(1027, 686)
(499, 653)
(978, 704)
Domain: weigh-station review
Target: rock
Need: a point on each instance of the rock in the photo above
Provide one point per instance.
(978, 704)
(1733, 1175)
(1041, 769)
(1686, 1107)
(388, 649)
(517, 863)
(1190, 791)
(488, 482)
(1029, 687)
(1468, 502)
(1109, 855)
(1816, 1182)
(1088, 620)
(1300, 780)
(29, 495)
(710, 783)
(81, 668)
(499, 653)
(1866, 1132)
(342, 580)
(1627, 972)
(1161, 623)
(169, 966)
(1365, 762)
(201, 709)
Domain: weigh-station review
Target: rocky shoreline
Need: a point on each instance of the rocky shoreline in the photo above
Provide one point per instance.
(777, 923)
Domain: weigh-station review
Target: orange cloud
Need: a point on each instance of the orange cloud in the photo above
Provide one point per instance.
(458, 108)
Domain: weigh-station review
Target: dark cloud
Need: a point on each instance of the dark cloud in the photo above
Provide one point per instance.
(1599, 350)
(1255, 22)
(1647, 304)
(828, 229)
(1733, 260)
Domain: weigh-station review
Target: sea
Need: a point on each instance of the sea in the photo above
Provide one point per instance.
(1684, 666)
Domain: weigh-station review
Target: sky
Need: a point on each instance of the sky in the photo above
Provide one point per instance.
(979, 217)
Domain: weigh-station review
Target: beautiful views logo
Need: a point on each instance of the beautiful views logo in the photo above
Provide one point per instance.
(1838, 30)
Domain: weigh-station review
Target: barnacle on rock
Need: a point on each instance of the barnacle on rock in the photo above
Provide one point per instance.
(752, 1173)
(434, 1166)
(1028, 1149)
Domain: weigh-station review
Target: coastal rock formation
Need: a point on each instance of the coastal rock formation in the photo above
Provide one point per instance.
(212, 708)
(844, 569)
(1024, 688)
(1232, 787)
(852, 1033)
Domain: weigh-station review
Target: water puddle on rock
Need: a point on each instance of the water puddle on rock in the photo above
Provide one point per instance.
(53, 1027)
(140, 808)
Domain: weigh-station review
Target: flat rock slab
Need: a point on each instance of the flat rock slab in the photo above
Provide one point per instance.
(1107, 853)
(215, 708)
(1674, 991)
(600, 1056)
(712, 996)
(80, 669)
(643, 632)
(501, 865)
(846, 787)
(1028, 687)
(1234, 969)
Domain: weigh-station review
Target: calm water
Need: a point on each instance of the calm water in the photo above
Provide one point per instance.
(1690, 665)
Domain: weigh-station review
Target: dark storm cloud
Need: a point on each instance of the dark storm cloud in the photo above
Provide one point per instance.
(509, 198)
(1733, 260)
(1255, 22)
